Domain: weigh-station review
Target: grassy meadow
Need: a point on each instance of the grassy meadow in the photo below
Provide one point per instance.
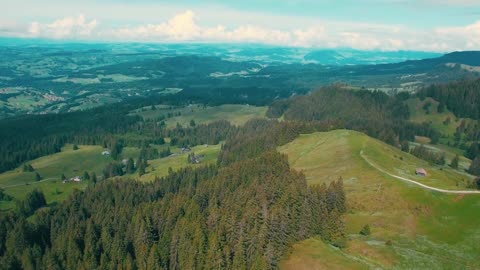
(236, 114)
(178, 160)
(69, 162)
(412, 228)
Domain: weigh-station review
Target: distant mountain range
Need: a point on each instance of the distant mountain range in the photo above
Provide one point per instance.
(241, 52)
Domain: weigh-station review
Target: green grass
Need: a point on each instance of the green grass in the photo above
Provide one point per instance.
(426, 228)
(71, 163)
(436, 119)
(310, 254)
(160, 167)
(236, 114)
(88, 158)
(418, 115)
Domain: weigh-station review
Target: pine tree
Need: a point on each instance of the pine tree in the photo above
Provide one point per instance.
(365, 230)
(475, 166)
(37, 177)
(130, 166)
(75, 147)
(405, 146)
(86, 176)
(454, 162)
(94, 177)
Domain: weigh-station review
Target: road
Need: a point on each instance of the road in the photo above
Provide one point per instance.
(417, 183)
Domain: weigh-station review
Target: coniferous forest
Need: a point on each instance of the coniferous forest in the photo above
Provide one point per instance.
(243, 213)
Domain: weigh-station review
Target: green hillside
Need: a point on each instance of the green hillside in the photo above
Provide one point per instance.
(88, 158)
(71, 163)
(445, 122)
(411, 227)
(160, 167)
(236, 114)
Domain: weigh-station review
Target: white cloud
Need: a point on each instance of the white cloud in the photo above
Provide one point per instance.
(281, 30)
(461, 38)
(325, 34)
(68, 27)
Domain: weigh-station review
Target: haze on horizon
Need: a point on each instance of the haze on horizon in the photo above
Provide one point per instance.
(390, 25)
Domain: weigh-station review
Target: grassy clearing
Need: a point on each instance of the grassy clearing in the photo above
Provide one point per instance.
(88, 158)
(71, 163)
(436, 119)
(160, 167)
(425, 228)
(310, 254)
(236, 114)
(419, 115)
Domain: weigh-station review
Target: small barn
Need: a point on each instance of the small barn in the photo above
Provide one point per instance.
(106, 153)
(421, 172)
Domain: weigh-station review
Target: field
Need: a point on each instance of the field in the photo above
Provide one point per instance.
(437, 120)
(424, 229)
(71, 163)
(160, 167)
(236, 114)
(88, 158)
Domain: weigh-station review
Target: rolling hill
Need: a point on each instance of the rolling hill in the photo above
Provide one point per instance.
(412, 227)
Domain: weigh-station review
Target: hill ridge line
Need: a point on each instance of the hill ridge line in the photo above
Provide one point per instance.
(418, 183)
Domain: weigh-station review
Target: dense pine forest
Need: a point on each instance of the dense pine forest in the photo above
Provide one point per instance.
(374, 113)
(240, 214)
(460, 97)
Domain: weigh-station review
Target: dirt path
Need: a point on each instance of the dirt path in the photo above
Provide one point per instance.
(417, 183)
(30, 183)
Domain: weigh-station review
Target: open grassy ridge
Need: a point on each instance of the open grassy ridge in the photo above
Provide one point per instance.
(426, 229)
(234, 113)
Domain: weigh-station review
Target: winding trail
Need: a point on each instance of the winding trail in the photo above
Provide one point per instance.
(417, 183)
(30, 183)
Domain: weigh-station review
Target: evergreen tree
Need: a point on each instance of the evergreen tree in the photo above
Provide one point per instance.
(86, 176)
(475, 166)
(63, 177)
(94, 177)
(75, 147)
(3, 196)
(405, 146)
(33, 200)
(37, 177)
(454, 162)
(365, 230)
(130, 166)
(28, 168)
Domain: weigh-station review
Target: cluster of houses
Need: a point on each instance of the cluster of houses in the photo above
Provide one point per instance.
(76, 179)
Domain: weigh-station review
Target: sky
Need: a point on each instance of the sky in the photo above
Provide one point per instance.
(387, 25)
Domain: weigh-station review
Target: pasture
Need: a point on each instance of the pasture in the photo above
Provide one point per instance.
(412, 228)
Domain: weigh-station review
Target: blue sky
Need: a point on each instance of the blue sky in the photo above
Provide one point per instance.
(430, 25)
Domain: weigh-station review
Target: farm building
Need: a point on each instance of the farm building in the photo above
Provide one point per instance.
(421, 172)
(73, 179)
(106, 153)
